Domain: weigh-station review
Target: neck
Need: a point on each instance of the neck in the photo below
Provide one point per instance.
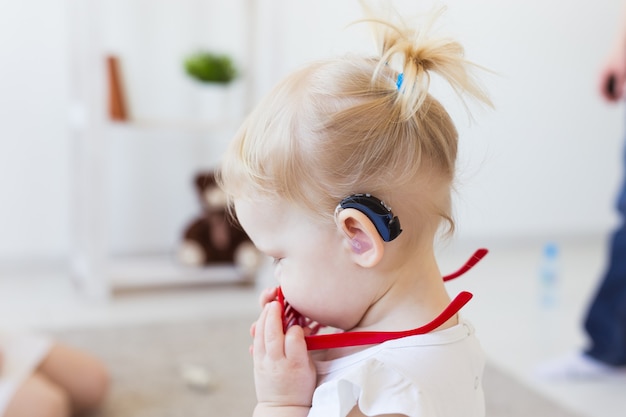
(412, 295)
(356, 340)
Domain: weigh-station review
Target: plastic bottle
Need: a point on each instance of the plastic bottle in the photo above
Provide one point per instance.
(549, 275)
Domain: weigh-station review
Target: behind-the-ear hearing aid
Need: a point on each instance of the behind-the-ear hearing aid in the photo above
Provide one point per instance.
(387, 225)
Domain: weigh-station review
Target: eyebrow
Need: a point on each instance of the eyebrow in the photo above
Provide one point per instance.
(261, 247)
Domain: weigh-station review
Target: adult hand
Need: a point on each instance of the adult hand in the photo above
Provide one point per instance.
(613, 75)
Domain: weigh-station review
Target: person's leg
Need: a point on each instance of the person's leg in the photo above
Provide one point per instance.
(83, 377)
(38, 397)
(605, 322)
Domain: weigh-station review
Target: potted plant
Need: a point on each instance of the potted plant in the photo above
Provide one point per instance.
(209, 67)
(215, 72)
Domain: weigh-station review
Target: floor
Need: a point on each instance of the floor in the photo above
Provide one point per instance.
(518, 330)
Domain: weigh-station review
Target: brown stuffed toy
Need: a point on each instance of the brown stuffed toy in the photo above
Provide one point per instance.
(215, 237)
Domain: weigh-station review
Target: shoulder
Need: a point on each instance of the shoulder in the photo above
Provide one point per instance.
(377, 388)
(413, 376)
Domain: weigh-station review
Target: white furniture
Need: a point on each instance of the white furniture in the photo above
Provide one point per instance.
(94, 25)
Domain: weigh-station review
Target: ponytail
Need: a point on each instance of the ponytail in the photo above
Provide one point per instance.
(418, 55)
(349, 125)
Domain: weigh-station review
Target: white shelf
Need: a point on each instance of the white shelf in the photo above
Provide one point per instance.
(175, 125)
(139, 272)
(96, 271)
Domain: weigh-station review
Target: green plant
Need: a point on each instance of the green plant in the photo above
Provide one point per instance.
(210, 67)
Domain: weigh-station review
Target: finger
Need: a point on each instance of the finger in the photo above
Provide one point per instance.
(268, 295)
(259, 335)
(295, 344)
(273, 331)
(253, 329)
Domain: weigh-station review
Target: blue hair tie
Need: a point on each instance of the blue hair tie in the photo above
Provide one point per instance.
(399, 81)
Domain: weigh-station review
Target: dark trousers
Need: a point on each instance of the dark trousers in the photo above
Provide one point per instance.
(606, 319)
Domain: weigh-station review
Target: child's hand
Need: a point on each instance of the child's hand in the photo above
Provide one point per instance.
(284, 373)
(268, 295)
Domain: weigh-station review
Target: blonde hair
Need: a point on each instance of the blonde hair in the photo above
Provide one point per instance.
(342, 126)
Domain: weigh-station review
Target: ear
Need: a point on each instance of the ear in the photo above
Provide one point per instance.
(366, 244)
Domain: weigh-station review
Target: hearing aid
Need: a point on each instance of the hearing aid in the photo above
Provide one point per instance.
(387, 225)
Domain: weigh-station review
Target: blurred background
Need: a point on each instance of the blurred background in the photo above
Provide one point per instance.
(545, 164)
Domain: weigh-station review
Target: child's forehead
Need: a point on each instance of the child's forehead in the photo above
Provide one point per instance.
(270, 220)
(264, 215)
(261, 208)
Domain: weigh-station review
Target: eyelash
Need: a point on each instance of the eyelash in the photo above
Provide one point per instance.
(276, 260)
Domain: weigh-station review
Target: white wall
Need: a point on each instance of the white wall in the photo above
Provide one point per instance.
(546, 162)
(34, 145)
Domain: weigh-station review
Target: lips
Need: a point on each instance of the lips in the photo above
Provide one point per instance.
(292, 317)
(316, 341)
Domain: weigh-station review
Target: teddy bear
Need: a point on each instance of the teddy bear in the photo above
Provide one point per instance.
(215, 237)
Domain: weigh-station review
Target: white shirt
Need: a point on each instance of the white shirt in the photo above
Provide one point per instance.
(437, 374)
(22, 352)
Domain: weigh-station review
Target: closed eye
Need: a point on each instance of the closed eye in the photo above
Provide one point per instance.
(276, 260)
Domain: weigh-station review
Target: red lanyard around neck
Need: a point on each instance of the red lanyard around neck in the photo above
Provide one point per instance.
(345, 339)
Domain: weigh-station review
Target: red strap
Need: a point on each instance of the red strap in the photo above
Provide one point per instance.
(476, 257)
(338, 340)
